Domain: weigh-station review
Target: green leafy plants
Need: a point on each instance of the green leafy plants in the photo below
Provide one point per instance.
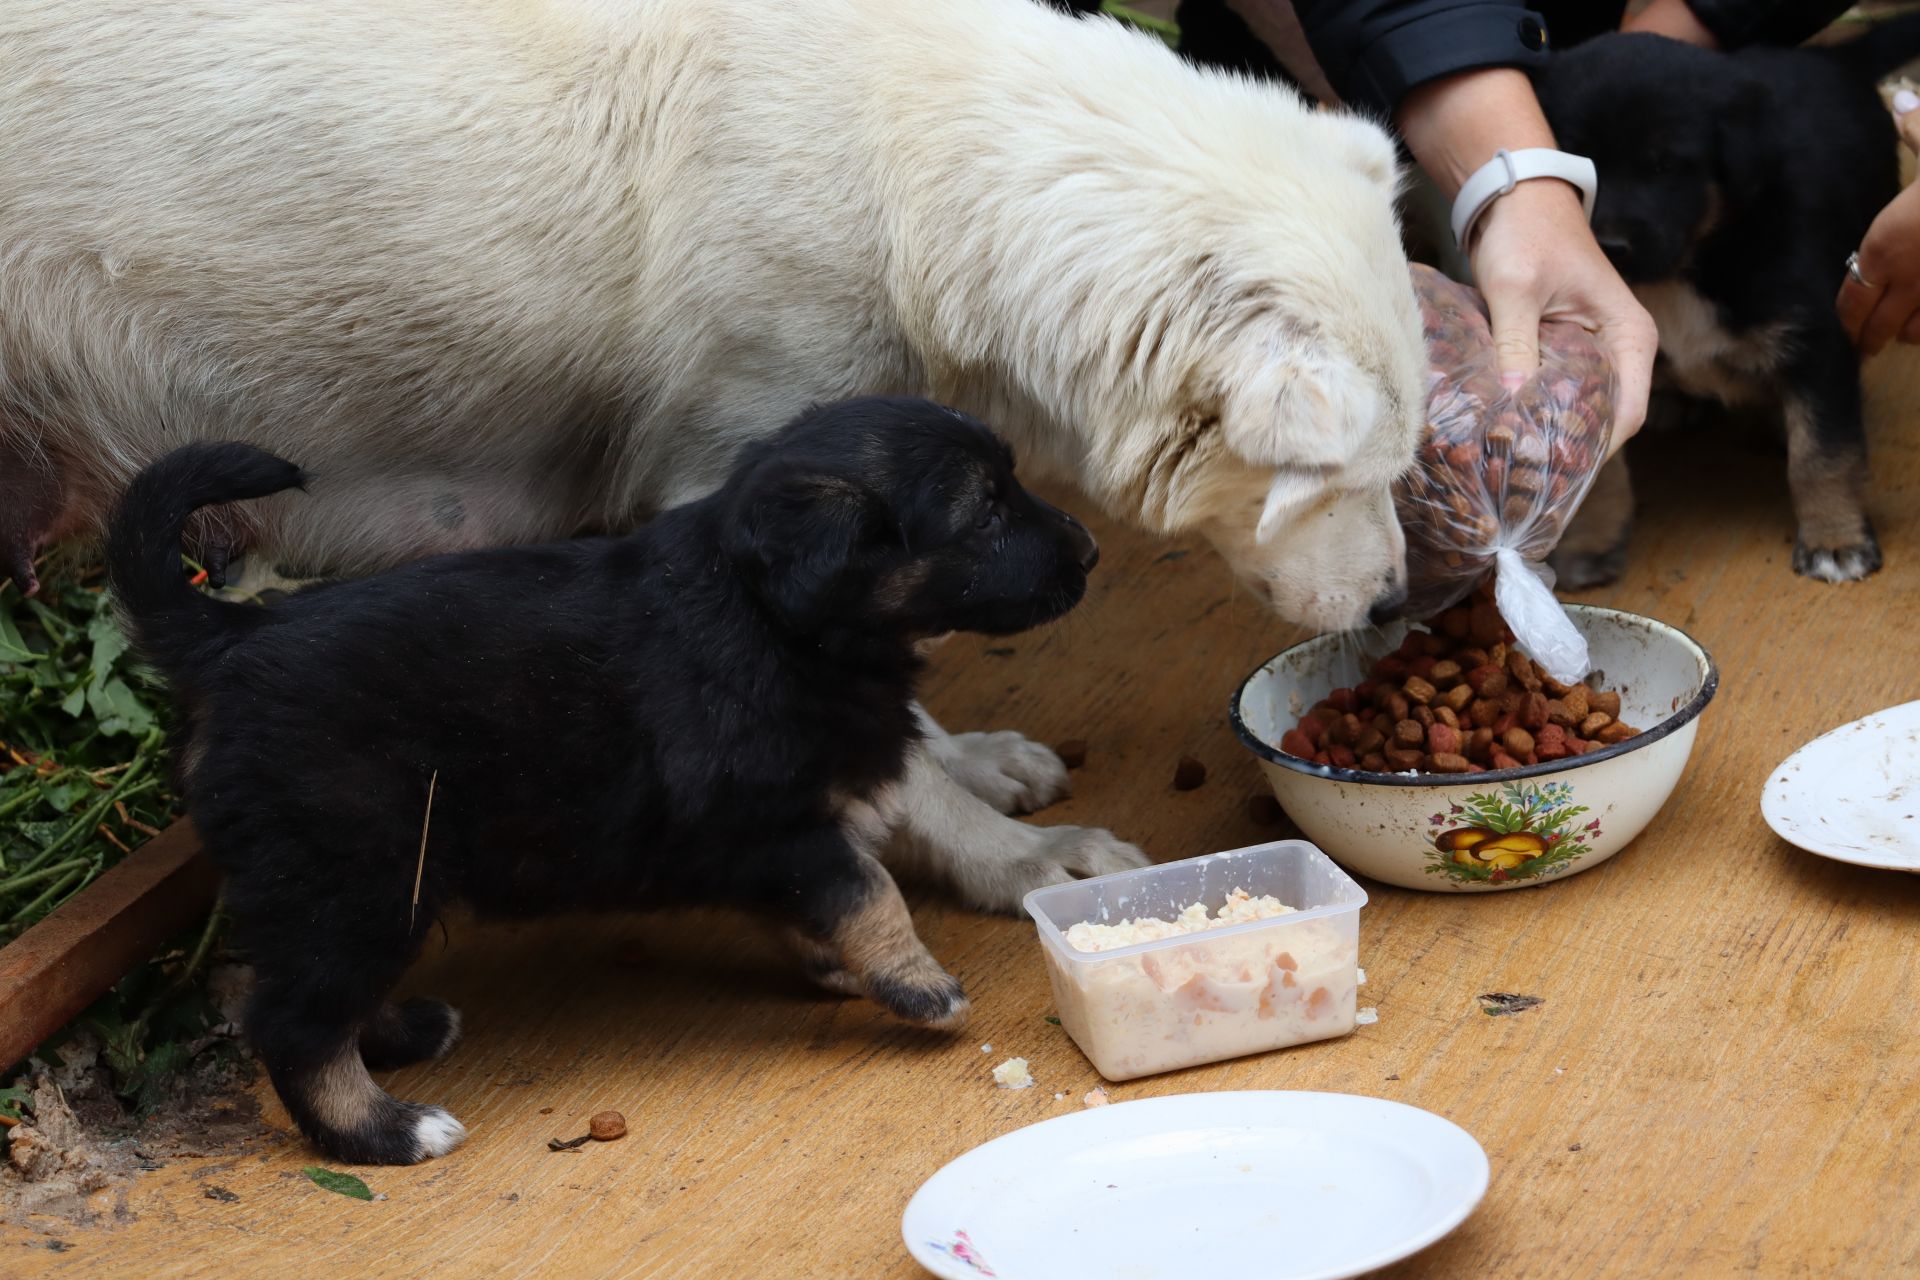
(82, 759)
(82, 784)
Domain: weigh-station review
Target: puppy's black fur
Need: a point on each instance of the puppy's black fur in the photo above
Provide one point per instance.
(711, 710)
(1732, 188)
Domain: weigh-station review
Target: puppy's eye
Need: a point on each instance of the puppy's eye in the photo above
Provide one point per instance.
(990, 517)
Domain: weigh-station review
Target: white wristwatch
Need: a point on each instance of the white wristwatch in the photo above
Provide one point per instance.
(1507, 170)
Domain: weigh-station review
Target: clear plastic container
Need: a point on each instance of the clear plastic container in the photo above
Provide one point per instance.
(1219, 993)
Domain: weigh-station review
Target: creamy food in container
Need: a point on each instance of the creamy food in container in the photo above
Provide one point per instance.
(1214, 957)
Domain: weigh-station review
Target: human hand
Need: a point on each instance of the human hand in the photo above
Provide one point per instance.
(1883, 303)
(1535, 259)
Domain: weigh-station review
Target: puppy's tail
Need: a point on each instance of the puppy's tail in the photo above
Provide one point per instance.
(1884, 49)
(170, 621)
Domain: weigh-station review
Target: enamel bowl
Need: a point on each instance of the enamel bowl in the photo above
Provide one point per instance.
(1504, 829)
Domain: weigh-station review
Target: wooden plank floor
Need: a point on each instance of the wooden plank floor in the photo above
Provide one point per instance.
(1722, 1079)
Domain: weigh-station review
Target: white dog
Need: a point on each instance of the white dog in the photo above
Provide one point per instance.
(494, 272)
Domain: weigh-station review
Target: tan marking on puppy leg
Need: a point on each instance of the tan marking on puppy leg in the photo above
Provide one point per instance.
(1829, 486)
(341, 1094)
(877, 943)
(822, 964)
(1835, 541)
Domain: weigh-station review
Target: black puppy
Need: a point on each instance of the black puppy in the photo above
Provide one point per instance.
(1732, 189)
(711, 710)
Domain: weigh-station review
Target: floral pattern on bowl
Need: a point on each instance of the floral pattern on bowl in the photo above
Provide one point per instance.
(1515, 832)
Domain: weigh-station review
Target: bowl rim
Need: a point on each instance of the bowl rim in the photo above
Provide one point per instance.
(1272, 754)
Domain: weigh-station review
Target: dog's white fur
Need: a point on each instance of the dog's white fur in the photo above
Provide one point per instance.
(500, 270)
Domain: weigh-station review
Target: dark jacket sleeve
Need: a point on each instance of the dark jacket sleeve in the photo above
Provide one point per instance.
(1374, 51)
(1736, 23)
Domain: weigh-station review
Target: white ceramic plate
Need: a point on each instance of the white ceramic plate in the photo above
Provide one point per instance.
(1273, 1185)
(1854, 794)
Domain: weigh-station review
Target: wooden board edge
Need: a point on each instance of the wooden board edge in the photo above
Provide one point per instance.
(53, 971)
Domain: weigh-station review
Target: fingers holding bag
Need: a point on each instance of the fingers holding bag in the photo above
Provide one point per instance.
(1502, 469)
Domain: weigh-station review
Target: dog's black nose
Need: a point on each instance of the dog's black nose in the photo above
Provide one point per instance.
(1617, 247)
(1080, 543)
(1387, 607)
(1085, 549)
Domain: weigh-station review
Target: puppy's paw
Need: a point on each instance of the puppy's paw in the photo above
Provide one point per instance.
(412, 1031)
(1055, 856)
(1577, 570)
(1012, 773)
(435, 1131)
(924, 994)
(1837, 564)
(393, 1133)
(1007, 770)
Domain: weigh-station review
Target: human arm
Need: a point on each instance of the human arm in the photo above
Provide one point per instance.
(1533, 254)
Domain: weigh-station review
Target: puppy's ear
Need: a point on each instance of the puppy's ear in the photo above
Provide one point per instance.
(1744, 142)
(799, 539)
(1305, 407)
(1372, 153)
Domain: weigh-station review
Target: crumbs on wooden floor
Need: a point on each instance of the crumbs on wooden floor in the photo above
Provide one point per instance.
(1013, 1074)
(1498, 1004)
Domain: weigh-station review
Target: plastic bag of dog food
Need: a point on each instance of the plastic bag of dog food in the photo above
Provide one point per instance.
(1502, 471)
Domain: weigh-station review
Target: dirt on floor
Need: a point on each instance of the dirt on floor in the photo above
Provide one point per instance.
(78, 1148)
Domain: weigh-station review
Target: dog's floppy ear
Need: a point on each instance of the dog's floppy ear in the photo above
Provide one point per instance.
(1305, 412)
(799, 537)
(1372, 152)
(1748, 157)
(1304, 405)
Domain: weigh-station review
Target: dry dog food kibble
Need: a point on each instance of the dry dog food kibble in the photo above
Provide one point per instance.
(1458, 698)
(1188, 774)
(1500, 469)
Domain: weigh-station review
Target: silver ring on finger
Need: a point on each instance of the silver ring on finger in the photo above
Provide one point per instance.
(1853, 271)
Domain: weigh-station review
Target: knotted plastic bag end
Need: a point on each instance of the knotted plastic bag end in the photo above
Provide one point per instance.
(1523, 590)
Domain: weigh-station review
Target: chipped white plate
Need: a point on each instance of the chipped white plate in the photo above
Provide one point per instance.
(1273, 1185)
(1854, 794)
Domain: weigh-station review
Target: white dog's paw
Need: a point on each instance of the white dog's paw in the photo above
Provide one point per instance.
(1012, 773)
(1059, 854)
(436, 1132)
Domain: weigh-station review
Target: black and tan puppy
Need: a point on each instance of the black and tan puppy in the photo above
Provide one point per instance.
(1732, 189)
(712, 710)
